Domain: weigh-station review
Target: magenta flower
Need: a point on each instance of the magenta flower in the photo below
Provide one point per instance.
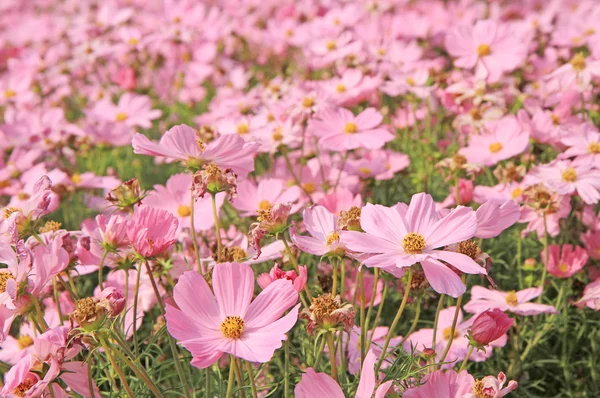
(516, 302)
(298, 280)
(565, 261)
(490, 325)
(181, 143)
(400, 236)
(340, 130)
(151, 231)
(229, 321)
(505, 139)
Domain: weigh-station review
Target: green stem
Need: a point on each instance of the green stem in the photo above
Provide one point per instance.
(436, 319)
(335, 280)
(251, 377)
(286, 380)
(332, 355)
(395, 321)
(207, 382)
(363, 323)
(172, 343)
(116, 367)
(373, 294)
(194, 237)
(57, 300)
(100, 276)
(217, 227)
(464, 362)
(231, 375)
(544, 272)
(453, 327)
(238, 376)
(136, 294)
(415, 321)
(378, 315)
(297, 268)
(318, 357)
(140, 372)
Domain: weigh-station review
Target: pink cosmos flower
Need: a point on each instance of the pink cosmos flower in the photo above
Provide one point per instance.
(341, 199)
(151, 231)
(409, 82)
(567, 177)
(488, 46)
(324, 231)
(493, 217)
(516, 302)
(181, 143)
(340, 130)
(175, 196)
(492, 387)
(132, 110)
(490, 325)
(15, 349)
(583, 144)
(16, 273)
(298, 280)
(505, 138)
(443, 384)
(591, 241)
(400, 236)
(577, 73)
(591, 296)
(251, 197)
(535, 219)
(564, 261)
(228, 321)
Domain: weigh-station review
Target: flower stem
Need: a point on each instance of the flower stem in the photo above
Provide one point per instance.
(373, 294)
(115, 365)
(286, 380)
(207, 382)
(464, 362)
(136, 295)
(318, 357)
(415, 321)
(395, 321)
(453, 327)
(363, 323)
(332, 355)
(100, 276)
(378, 315)
(238, 375)
(335, 280)
(544, 272)
(217, 227)
(57, 300)
(231, 374)
(140, 373)
(194, 237)
(436, 319)
(251, 377)
(172, 343)
(296, 267)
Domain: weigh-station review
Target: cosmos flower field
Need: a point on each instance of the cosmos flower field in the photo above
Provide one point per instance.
(312, 199)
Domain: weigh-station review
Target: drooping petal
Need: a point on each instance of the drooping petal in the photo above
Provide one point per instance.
(442, 279)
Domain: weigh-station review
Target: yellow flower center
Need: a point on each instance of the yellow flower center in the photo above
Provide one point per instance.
(121, 117)
(309, 187)
(76, 178)
(133, 41)
(330, 45)
(308, 102)
(516, 193)
(484, 50)
(476, 114)
(569, 175)
(21, 389)
(594, 147)
(563, 267)
(232, 327)
(243, 128)
(340, 88)
(555, 119)
(7, 212)
(184, 211)
(589, 32)
(413, 243)
(350, 128)
(447, 332)
(50, 226)
(478, 389)
(277, 134)
(332, 237)
(364, 170)
(578, 62)
(4, 277)
(496, 147)
(381, 51)
(511, 298)
(264, 205)
(24, 341)
(410, 81)
(10, 93)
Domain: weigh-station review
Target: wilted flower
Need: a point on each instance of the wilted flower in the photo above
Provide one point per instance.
(213, 180)
(126, 195)
(328, 312)
(89, 313)
(350, 220)
(112, 301)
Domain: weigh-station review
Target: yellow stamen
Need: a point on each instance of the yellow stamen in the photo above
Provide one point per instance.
(10, 93)
(24, 341)
(232, 327)
(308, 102)
(330, 45)
(447, 332)
(243, 128)
(350, 128)
(121, 117)
(484, 50)
(578, 62)
(264, 205)
(594, 147)
(496, 147)
(184, 211)
(569, 175)
(309, 187)
(340, 88)
(332, 237)
(413, 243)
(4, 277)
(511, 298)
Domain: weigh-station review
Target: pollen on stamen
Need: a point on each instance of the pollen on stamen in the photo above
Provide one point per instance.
(232, 327)
(350, 128)
(413, 243)
(511, 298)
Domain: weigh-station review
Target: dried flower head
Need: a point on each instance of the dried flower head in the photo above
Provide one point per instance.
(510, 172)
(350, 220)
(126, 195)
(213, 180)
(328, 312)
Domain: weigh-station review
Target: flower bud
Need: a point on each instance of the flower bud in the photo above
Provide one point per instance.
(488, 326)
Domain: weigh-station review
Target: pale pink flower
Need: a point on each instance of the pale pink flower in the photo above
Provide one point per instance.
(298, 280)
(229, 321)
(591, 296)
(132, 110)
(339, 129)
(251, 198)
(15, 349)
(564, 261)
(175, 197)
(491, 47)
(443, 384)
(151, 231)
(181, 143)
(324, 231)
(577, 73)
(398, 237)
(414, 82)
(340, 199)
(569, 177)
(583, 144)
(505, 138)
(516, 302)
(493, 217)
(492, 387)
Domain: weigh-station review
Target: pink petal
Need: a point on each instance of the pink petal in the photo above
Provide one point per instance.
(442, 279)
(233, 284)
(459, 225)
(459, 261)
(271, 303)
